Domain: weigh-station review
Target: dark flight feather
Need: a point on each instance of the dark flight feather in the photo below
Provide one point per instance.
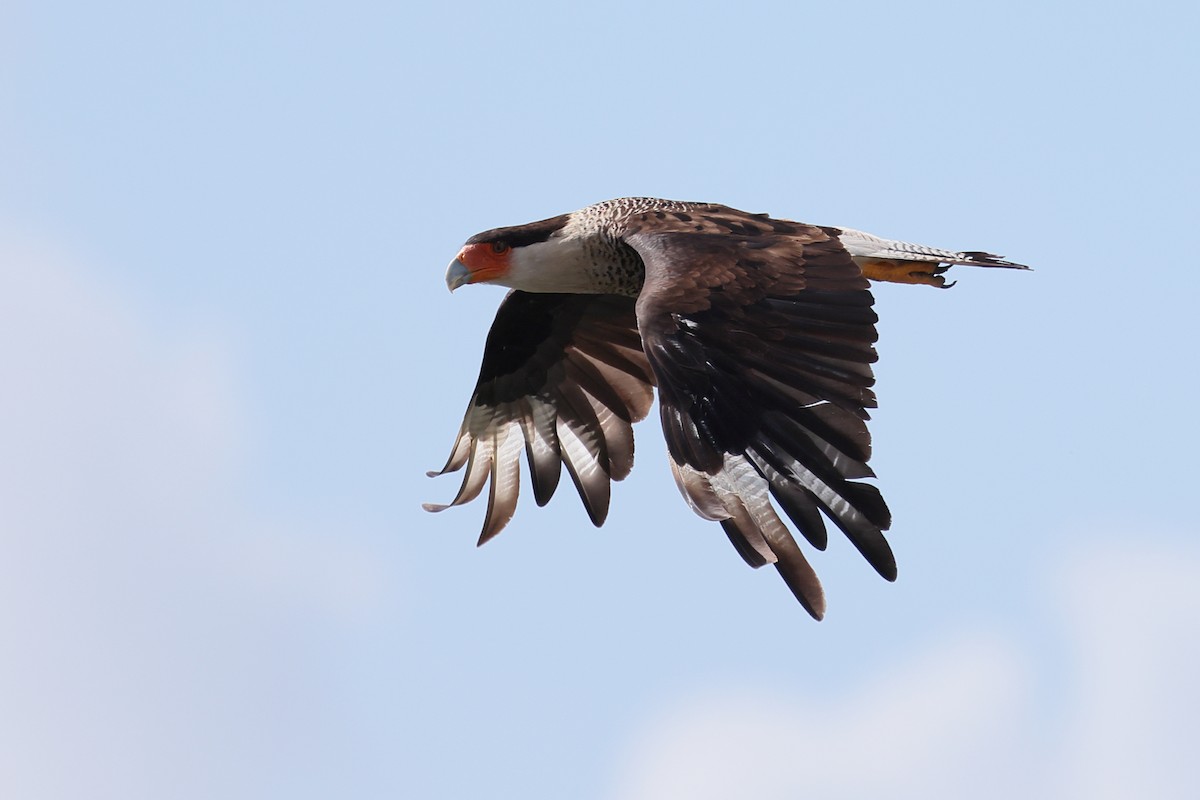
(769, 370)
(562, 380)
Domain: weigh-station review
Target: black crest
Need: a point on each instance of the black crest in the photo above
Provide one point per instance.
(522, 235)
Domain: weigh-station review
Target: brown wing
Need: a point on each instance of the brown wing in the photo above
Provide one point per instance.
(563, 376)
(760, 335)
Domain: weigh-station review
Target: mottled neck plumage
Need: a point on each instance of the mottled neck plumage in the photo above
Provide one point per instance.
(616, 268)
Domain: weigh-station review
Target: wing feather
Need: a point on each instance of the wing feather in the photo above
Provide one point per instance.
(563, 377)
(761, 342)
(505, 482)
(537, 419)
(479, 465)
(589, 475)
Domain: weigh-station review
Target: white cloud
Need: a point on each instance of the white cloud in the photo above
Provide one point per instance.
(912, 730)
(160, 638)
(1134, 619)
(970, 718)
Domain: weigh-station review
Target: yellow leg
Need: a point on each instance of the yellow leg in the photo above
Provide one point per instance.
(897, 271)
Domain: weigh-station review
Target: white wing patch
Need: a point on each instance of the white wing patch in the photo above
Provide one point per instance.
(739, 497)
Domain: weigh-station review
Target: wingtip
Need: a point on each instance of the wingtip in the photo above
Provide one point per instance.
(883, 561)
(815, 606)
(802, 581)
(492, 528)
(598, 516)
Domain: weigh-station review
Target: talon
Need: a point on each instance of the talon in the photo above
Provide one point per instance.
(927, 278)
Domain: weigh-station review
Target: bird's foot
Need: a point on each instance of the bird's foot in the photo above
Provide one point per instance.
(898, 271)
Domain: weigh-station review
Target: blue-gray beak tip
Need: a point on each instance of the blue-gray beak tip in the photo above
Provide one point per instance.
(457, 274)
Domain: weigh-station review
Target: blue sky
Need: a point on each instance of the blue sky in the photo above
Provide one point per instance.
(229, 356)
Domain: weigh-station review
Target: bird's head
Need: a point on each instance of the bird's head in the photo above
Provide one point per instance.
(522, 257)
(481, 262)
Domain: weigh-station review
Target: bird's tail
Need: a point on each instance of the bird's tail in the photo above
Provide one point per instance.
(905, 262)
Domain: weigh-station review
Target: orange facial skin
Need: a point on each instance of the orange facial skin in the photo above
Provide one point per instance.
(486, 261)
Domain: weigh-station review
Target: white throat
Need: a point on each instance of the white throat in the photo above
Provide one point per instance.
(560, 264)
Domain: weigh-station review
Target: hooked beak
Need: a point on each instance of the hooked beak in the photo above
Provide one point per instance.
(457, 275)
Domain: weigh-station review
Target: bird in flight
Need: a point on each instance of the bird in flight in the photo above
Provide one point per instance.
(759, 334)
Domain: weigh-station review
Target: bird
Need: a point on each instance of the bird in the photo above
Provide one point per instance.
(758, 334)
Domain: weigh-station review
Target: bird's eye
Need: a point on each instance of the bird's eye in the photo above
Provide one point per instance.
(499, 248)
